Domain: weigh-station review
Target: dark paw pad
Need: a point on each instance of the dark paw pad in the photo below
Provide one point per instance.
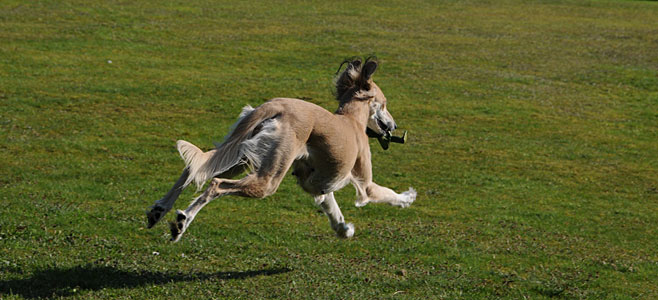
(174, 231)
(180, 217)
(154, 215)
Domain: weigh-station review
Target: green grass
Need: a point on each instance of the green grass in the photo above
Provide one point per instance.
(533, 146)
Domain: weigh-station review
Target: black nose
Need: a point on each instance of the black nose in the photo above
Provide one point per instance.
(392, 126)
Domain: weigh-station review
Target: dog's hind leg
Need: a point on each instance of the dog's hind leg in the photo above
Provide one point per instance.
(250, 186)
(254, 185)
(164, 205)
(184, 218)
(158, 210)
(328, 204)
(273, 158)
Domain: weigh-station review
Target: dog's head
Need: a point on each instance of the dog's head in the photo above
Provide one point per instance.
(355, 83)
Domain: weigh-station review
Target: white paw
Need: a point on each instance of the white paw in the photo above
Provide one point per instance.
(345, 230)
(408, 197)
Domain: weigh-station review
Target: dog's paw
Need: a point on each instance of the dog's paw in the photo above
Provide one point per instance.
(345, 230)
(179, 226)
(155, 215)
(408, 197)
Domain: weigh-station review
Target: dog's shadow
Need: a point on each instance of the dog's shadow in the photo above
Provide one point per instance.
(67, 281)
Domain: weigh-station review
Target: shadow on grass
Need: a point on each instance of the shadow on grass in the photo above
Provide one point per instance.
(64, 282)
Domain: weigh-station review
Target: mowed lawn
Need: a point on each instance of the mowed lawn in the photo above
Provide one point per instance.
(533, 145)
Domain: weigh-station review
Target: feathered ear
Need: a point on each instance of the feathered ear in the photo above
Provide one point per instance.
(368, 69)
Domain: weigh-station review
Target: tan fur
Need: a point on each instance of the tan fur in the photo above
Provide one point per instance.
(325, 150)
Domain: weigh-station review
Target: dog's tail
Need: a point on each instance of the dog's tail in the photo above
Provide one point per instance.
(239, 146)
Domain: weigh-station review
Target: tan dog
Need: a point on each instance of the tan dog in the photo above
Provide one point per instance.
(326, 151)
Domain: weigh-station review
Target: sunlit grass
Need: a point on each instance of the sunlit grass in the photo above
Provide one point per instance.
(533, 129)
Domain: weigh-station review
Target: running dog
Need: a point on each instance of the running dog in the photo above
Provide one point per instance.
(325, 150)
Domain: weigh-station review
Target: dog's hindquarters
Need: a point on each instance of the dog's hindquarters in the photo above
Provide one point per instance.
(240, 148)
(204, 165)
(264, 141)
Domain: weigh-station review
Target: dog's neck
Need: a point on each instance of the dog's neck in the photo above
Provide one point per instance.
(358, 110)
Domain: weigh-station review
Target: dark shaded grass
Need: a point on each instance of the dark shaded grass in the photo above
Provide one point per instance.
(66, 282)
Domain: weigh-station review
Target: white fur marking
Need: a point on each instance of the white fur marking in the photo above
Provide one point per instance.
(353, 73)
(345, 230)
(257, 147)
(408, 197)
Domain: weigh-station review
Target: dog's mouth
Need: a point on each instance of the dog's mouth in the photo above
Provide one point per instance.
(382, 131)
(383, 128)
(384, 136)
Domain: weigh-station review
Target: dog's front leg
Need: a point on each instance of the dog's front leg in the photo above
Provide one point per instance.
(328, 204)
(379, 194)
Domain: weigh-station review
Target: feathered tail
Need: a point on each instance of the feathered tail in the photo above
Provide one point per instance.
(238, 147)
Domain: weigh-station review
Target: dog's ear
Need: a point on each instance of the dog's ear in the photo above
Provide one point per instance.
(368, 69)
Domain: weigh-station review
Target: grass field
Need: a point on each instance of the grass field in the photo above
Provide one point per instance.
(533, 146)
